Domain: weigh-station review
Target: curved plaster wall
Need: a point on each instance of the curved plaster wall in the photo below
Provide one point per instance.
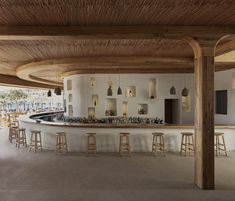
(82, 94)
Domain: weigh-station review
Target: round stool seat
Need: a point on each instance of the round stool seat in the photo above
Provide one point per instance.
(158, 134)
(219, 133)
(61, 133)
(90, 134)
(187, 133)
(124, 133)
(35, 131)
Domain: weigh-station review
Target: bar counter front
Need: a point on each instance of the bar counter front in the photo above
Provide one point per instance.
(108, 134)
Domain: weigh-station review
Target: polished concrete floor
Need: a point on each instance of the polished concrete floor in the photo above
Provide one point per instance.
(45, 176)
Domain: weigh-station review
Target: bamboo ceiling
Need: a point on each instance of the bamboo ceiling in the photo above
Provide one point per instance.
(15, 53)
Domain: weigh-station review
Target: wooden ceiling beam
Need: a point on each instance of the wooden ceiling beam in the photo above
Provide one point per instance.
(15, 81)
(111, 32)
(225, 48)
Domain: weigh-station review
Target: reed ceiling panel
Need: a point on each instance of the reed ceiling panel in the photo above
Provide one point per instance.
(121, 12)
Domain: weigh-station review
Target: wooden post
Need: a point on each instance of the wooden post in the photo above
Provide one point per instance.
(204, 113)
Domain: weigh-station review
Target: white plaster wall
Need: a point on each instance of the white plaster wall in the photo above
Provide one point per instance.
(223, 80)
(82, 93)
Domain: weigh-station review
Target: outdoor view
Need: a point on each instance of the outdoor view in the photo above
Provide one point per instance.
(16, 101)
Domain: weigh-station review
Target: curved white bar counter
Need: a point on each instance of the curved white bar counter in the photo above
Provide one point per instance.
(108, 138)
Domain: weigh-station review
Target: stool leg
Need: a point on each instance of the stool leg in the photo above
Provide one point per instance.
(182, 141)
(225, 150)
(40, 137)
(35, 142)
(216, 146)
(186, 145)
(193, 143)
(120, 144)
(65, 142)
(153, 144)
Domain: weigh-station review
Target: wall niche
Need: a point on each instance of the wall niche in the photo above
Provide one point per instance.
(111, 107)
(152, 87)
(95, 100)
(125, 108)
(69, 85)
(130, 91)
(70, 108)
(70, 98)
(186, 103)
(91, 112)
(142, 109)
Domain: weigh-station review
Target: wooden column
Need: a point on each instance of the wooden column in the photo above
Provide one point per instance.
(204, 113)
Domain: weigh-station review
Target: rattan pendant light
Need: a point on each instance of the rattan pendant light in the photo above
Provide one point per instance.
(119, 91)
(172, 89)
(185, 91)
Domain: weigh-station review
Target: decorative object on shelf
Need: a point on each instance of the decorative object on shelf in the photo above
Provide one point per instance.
(172, 90)
(142, 109)
(110, 84)
(49, 93)
(185, 91)
(110, 91)
(119, 91)
(110, 113)
(95, 100)
(92, 81)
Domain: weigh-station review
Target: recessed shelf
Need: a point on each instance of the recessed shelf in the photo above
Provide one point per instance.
(152, 88)
(125, 108)
(70, 108)
(92, 82)
(70, 98)
(111, 107)
(130, 91)
(69, 85)
(142, 109)
(186, 103)
(91, 112)
(95, 100)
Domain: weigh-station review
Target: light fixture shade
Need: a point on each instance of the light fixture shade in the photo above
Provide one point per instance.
(172, 90)
(185, 92)
(119, 91)
(49, 93)
(233, 80)
(58, 91)
(109, 91)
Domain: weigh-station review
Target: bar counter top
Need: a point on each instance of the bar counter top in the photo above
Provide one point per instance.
(26, 119)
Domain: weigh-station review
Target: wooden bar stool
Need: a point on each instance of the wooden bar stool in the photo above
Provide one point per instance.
(91, 143)
(158, 145)
(61, 142)
(187, 143)
(21, 137)
(124, 144)
(220, 145)
(12, 133)
(36, 140)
